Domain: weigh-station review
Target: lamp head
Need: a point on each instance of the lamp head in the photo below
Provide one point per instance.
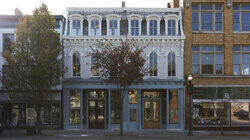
(190, 78)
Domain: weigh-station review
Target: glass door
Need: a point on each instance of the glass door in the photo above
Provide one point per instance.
(173, 109)
(96, 110)
(133, 110)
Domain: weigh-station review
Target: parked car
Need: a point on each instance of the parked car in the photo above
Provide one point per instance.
(242, 115)
(1, 128)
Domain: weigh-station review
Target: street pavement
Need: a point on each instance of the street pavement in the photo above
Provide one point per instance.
(143, 135)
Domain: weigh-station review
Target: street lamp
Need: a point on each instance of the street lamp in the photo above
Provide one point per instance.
(190, 93)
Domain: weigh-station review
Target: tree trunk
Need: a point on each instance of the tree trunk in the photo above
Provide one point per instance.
(38, 120)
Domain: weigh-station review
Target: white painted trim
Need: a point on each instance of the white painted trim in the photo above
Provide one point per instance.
(76, 16)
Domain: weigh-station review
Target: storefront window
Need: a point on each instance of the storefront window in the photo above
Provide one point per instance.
(75, 104)
(115, 107)
(240, 115)
(132, 99)
(208, 113)
(173, 107)
(152, 94)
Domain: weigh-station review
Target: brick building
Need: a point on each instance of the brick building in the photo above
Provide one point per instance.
(217, 54)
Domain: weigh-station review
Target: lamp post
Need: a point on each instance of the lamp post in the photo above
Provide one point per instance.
(190, 95)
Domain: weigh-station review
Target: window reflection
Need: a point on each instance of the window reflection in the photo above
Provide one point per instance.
(75, 103)
(173, 107)
(132, 99)
(240, 115)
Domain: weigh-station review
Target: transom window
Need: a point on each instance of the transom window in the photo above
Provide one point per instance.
(241, 60)
(207, 17)
(171, 27)
(76, 27)
(152, 27)
(76, 64)
(207, 60)
(113, 30)
(241, 17)
(134, 27)
(95, 30)
(171, 64)
(153, 64)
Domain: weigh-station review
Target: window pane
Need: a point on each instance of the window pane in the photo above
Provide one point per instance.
(195, 69)
(218, 48)
(195, 16)
(132, 115)
(206, 21)
(236, 16)
(246, 48)
(245, 64)
(207, 63)
(218, 6)
(196, 59)
(8, 40)
(132, 99)
(195, 26)
(218, 69)
(236, 48)
(236, 26)
(75, 103)
(207, 48)
(195, 48)
(236, 7)
(206, 6)
(219, 59)
(195, 6)
(218, 17)
(236, 59)
(245, 19)
(236, 69)
(245, 6)
(218, 26)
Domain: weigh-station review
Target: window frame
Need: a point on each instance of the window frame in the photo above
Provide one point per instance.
(240, 53)
(214, 11)
(154, 69)
(112, 29)
(93, 67)
(77, 30)
(171, 65)
(153, 28)
(95, 29)
(134, 28)
(11, 41)
(214, 53)
(171, 28)
(77, 65)
(240, 11)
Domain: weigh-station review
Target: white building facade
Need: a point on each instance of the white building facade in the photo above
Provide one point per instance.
(157, 103)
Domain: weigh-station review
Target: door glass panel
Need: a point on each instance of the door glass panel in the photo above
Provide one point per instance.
(173, 107)
(92, 103)
(75, 102)
(147, 111)
(115, 107)
(100, 104)
(155, 111)
(132, 115)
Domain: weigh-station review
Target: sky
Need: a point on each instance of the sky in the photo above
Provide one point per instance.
(59, 6)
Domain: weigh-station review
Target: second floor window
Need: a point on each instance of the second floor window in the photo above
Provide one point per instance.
(241, 17)
(76, 64)
(95, 30)
(113, 30)
(171, 64)
(206, 17)
(76, 27)
(134, 27)
(153, 27)
(171, 27)
(207, 60)
(153, 64)
(241, 60)
(8, 40)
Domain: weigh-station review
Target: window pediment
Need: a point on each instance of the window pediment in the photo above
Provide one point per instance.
(76, 16)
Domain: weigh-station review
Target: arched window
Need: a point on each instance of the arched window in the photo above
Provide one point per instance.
(171, 64)
(153, 64)
(171, 27)
(94, 69)
(76, 64)
(95, 31)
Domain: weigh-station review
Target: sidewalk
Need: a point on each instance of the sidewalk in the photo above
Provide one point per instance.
(142, 133)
